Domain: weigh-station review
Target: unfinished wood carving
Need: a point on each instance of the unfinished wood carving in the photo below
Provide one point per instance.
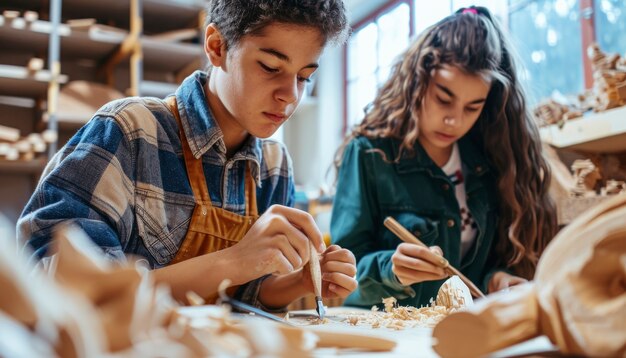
(551, 112)
(577, 299)
(609, 75)
(454, 294)
(583, 168)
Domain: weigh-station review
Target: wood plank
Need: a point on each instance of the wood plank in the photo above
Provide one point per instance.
(16, 81)
(81, 24)
(9, 133)
(603, 132)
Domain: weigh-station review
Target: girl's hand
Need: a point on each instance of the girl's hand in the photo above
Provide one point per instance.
(338, 273)
(410, 266)
(502, 280)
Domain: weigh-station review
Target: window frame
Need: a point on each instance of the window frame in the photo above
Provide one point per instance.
(587, 32)
(371, 18)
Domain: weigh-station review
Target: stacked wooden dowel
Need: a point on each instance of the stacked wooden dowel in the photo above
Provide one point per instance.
(14, 147)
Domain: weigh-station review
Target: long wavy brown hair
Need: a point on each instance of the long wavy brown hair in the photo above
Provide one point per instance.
(474, 42)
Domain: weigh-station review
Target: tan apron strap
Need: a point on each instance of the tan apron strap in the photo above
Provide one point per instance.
(195, 173)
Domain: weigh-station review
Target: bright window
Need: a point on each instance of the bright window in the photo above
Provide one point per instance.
(610, 19)
(371, 52)
(546, 34)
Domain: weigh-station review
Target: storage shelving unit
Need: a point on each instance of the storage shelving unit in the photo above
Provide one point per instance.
(122, 49)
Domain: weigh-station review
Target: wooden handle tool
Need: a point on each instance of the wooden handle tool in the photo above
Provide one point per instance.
(406, 236)
(316, 277)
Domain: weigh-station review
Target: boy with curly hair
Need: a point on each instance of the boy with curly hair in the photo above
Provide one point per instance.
(188, 183)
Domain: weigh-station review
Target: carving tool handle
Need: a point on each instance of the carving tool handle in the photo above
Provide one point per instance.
(406, 236)
(316, 277)
(316, 271)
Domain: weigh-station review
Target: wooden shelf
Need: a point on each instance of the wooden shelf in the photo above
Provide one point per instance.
(173, 14)
(97, 43)
(158, 15)
(603, 132)
(16, 81)
(35, 166)
(24, 5)
(169, 56)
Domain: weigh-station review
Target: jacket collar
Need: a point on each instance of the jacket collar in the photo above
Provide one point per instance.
(471, 156)
(201, 128)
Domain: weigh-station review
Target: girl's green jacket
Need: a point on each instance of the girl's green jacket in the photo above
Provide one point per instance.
(416, 192)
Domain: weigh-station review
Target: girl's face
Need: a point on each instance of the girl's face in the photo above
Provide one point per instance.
(260, 81)
(451, 105)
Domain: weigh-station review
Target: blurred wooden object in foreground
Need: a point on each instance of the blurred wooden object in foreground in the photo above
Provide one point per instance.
(577, 299)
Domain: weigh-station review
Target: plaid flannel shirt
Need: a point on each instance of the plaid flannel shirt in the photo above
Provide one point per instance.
(122, 179)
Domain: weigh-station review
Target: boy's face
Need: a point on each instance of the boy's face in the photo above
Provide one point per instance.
(451, 105)
(259, 82)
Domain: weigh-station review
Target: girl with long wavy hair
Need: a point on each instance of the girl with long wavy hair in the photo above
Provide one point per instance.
(448, 148)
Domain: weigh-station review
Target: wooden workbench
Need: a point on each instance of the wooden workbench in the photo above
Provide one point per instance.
(413, 342)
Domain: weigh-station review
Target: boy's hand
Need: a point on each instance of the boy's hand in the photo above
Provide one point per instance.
(502, 280)
(277, 243)
(410, 266)
(338, 273)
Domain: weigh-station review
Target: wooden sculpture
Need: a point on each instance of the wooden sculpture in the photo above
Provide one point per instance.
(583, 168)
(577, 299)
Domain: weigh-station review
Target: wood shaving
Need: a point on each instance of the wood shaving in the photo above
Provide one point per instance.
(194, 299)
(353, 320)
(450, 298)
(400, 317)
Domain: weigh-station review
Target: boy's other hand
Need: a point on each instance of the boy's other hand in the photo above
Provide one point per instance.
(338, 273)
(410, 265)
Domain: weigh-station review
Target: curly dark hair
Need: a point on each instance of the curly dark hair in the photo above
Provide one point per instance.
(473, 41)
(237, 18)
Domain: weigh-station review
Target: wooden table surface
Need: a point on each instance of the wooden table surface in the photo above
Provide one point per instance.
(410, 342)
(415, 341)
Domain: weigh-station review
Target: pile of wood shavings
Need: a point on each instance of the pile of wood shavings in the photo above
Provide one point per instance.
(400, 317)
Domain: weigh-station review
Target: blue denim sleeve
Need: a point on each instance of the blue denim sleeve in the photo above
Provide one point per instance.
(88, 183)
